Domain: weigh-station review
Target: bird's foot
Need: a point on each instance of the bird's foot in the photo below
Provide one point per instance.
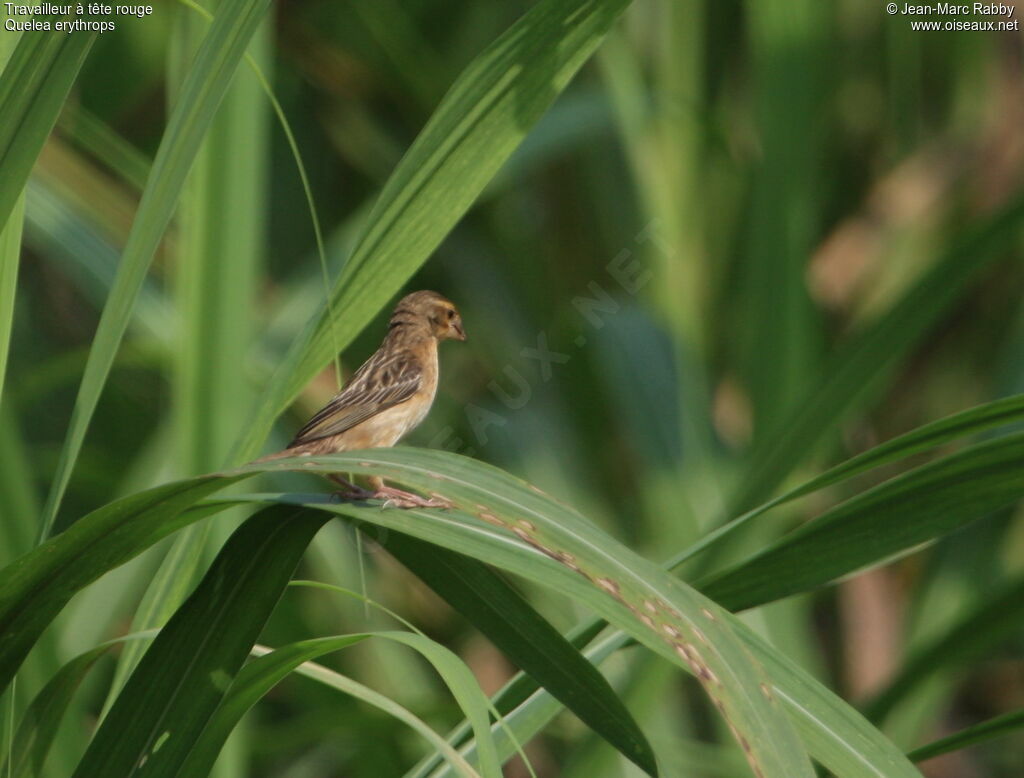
(399, 498)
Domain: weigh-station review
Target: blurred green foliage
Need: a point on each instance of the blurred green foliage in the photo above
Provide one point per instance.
(720, 210)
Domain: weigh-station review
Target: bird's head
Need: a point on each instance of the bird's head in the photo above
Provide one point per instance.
(432, 310)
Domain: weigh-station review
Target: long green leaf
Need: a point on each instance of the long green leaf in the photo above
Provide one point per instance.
(337, 681)
(10, 253)
(546, 541)
(837, 735)
(503, 615)
(891, 518)
(191, 664)
(924, 438)
(36, 73)
(205, 86)
(220, 240)
(483, 118)
(35, 587)
(261, 675)
(866, 363)
(43, 716)
(33, 87)
(978, 733)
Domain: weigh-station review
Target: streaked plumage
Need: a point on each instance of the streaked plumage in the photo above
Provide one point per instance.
(389, 395)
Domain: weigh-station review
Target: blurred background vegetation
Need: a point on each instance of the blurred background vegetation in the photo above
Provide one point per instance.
(725, 199)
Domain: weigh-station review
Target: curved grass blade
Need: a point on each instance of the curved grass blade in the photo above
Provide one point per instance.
(343, 684)
(260, 676)
(504, 616)
(483, 118)
(891, 518)
(924, 438)
(35, 587)
(978, 733)
(191, 664)
(39, 724)
(857, 372)
(204, 87)
(33, 87)
(552, 544)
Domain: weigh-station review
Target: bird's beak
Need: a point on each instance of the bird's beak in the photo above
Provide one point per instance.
(460, 333)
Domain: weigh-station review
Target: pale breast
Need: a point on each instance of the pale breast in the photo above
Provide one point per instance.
(388, 427)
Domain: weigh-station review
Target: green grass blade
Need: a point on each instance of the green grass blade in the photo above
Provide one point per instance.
(219, 255)
(259, 677)
(205, 86)
(480, 122)
(34, 588)
(38, 726)
(494, 607)
(10, 254)
(43, 716)
(254, 681)
(48, 66)
(780, 327)
(893, 517)
(191, 664)
(929, 436)
(994, 620)
(837, 735)
(978, 733)
(862, 367)
(348, 686)
(33, 87)
(548, 542)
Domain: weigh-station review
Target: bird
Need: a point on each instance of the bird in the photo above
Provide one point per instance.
(387, 397)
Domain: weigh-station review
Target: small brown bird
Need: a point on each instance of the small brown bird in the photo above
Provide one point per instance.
(388, 396)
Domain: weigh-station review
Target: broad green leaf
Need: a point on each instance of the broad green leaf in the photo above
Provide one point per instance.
(837, 736)
(924, 438)
(978, 733)
(872, 527)
(260, 676)
(863, 366)
(534, 535)
(35, 587)
(201, 94)
(33, 87)
(483, 118)
(514, 626)
(191, 664)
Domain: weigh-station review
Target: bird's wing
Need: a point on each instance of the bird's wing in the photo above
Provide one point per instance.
(385, 380)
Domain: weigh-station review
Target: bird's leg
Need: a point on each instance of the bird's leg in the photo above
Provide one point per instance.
(349, 491)
(399, 498)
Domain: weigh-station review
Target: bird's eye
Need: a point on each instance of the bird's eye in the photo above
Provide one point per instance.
(451, 314)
